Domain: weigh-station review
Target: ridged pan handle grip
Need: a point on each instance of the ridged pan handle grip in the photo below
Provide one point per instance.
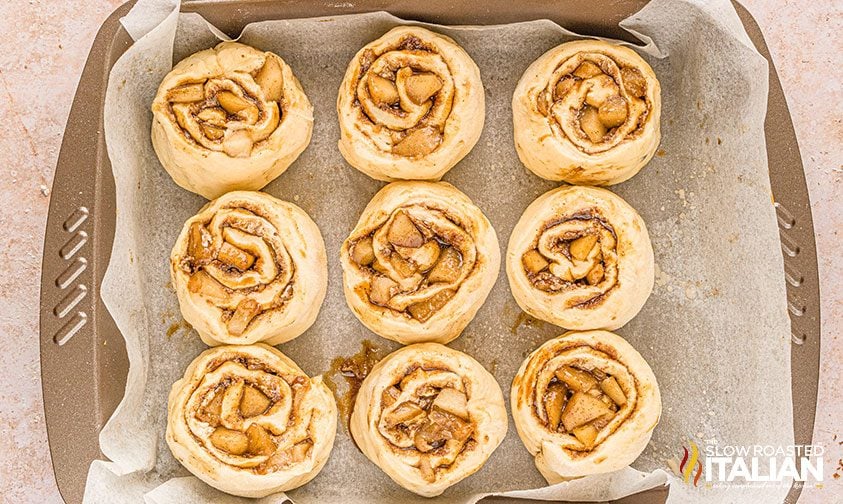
(83, 361)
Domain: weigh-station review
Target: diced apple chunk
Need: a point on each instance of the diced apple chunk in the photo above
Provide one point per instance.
(418, 143)
(260, 442)
(591, 125)
(214, 116)
(634, 82)
(186, 94)
(246, 310)
(389, 396)
(210, 413)
(249, 114)
(206, 286)
(233, 256)
(424, 310)
(453, 401)
(403, 232)
(595, 275)
(424, 257)
(402, 266)
(421, 87)
(253, 403)
(580, 247)
(564, 85)
(534, 261)
(613, 111)
(199, 243)
(231, 441)
(382, 90)
(447, 269)
(383, 288)
(554, 400)
(231, 102)
(587, 69)
(212, 132)
(576, 379)
(581, 409)
(270, 78)
(362, 252)
(610, 387)
(404, 413)
(586, 434)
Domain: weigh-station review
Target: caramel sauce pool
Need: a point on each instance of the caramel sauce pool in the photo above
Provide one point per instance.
(354, 370)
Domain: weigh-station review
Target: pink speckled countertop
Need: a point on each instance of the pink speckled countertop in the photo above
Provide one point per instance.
(39, 71)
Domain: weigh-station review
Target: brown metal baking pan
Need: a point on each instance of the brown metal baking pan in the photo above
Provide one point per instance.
(83, 357)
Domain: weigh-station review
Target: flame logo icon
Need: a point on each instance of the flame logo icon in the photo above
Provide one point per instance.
(690, 461)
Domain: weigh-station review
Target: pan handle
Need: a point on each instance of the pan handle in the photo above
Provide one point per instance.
(83, 359)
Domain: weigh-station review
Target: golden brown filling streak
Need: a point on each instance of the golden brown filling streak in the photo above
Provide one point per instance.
(417, 260)
(427, 412)
(404, 97)
(579, 402)
(237, 261)
(576, 252)
(247, 415)
(231, 113)
(595, 102)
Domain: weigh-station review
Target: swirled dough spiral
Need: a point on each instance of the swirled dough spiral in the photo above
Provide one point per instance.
(585, 403)
(246, 420)
(229, 118)
(420, 262)
(248, 268)
(587, 112)
(428, 416)
(411, 106)
(581, 258)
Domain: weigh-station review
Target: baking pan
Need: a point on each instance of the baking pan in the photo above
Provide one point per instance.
(83, 357)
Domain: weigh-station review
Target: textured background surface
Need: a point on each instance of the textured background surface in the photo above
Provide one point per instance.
(39, 71)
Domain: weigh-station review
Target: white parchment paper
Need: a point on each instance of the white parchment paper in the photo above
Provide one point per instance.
(715, 329)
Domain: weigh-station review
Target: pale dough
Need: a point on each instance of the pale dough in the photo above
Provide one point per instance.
(554, 96)
(300, 420)
(621, 259)
(212, 146)
(448, 123)
(560, 456)
(419, 373)
(447, 219)
(279, 288)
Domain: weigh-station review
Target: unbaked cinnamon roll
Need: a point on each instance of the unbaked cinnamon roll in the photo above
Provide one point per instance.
(580, 258)
(229, 118)
(248, 268)
(246, 420)
(419, 263)
(585, 403)
(428, 416)
(411, 106)
(587, 112)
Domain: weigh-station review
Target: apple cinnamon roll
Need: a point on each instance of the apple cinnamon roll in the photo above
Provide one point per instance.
(249, 268)
(229, 118)
(428, 416)
(411, 106)
(585, 403)
(587, 112)
(419, 263)
(246, 420)
(580, 258)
